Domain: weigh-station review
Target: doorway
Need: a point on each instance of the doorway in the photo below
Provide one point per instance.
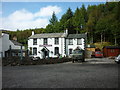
(45, 53)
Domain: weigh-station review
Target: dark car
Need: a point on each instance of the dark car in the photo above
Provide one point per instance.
(78, 55)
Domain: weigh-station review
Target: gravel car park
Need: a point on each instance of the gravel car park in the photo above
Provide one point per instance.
(94, 73)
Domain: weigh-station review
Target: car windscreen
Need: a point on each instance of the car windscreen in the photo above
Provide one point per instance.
(98, 52)
(77, 52)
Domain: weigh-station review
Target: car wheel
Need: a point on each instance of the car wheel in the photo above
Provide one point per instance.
(118, 62)
(73, 61)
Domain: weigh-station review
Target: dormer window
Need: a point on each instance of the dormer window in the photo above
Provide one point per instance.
(35, 41)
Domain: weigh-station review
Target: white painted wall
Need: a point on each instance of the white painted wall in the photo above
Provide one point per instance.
(74, 46)
(15, 46)
(4, 43)
(52, 48)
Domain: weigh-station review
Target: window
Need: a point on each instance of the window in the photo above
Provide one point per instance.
(45, 41)
(34, 51)
(56, 50)
(70, 41)
(56, 40)
(35, 41)
(70, 51)
(30, 52)
(79, 41)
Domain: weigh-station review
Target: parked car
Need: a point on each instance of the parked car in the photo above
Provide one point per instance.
(77, 55)
(97, 54)
(117, 59)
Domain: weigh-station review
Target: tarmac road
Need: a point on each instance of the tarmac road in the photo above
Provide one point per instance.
(63, 75)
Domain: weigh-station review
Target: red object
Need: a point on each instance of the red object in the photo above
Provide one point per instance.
(98, 54)
(111, 51)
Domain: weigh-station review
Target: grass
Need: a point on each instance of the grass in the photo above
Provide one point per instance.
(101, 45)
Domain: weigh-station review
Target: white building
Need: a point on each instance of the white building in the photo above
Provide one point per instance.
(6, 44)
(54, 44)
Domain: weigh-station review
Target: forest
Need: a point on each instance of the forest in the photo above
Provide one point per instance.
(100, 22)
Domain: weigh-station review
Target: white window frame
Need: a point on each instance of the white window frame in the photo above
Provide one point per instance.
(79, 41)
(56, 41)
(34, 41)
(70, 41)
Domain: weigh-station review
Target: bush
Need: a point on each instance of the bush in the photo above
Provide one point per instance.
(13, 61)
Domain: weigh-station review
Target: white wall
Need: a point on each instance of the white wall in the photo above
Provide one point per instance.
(51, 48)
(4, 43)
(15, 46)
(74, 46)
(61, 46)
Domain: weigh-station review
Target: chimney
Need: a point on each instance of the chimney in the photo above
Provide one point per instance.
(66, 31)
(15, 38)
(32, 32)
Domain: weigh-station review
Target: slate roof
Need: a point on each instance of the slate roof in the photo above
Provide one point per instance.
(15, 42)
(48, 35)
(77, 36)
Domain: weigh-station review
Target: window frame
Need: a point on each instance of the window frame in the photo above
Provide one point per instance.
(56, 41)
(45, 41)
(69, 41)
(34, 41)
(34, 52)
(79, 43)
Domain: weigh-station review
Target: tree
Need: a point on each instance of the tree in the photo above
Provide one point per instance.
(66, 20)
(53, 20)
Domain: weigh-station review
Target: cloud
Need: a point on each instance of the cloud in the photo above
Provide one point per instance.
(47, 11)
(21, 15)
(23, 19)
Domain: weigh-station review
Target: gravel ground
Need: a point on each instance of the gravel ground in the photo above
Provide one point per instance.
(63, 75)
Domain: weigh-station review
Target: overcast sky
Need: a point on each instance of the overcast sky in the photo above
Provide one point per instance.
(26, 15)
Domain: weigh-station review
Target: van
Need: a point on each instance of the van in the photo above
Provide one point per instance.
(78, 55)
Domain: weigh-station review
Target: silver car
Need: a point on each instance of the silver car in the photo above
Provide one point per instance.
(117, 59)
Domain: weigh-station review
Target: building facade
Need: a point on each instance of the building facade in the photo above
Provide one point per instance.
(6, 45)
(55, 44)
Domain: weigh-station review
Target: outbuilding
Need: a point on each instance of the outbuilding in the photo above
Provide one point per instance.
(111, 51)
